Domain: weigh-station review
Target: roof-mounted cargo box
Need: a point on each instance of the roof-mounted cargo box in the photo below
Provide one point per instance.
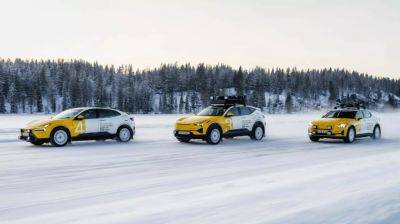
(228, 100)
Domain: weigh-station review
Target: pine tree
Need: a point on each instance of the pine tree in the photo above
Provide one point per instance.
(333, 95)
(181, 103)
(238, 81)
(289, 103)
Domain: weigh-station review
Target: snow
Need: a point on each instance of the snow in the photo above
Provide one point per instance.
(155, 179)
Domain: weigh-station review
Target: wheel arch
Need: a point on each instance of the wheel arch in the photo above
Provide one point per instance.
(214, 124)
(60, 127)
(259, 123)
(125, 126)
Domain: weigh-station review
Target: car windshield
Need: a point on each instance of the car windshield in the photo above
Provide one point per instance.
(68, 113)
(341, 114)
(212, 111)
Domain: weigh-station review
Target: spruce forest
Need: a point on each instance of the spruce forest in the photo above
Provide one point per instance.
(31, 86)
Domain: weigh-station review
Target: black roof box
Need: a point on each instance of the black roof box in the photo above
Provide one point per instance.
(228, 100)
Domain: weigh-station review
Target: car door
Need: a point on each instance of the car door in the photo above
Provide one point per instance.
(109, 120)
(89, 124)
(247, 121)
(369, 121)
(361, 122)
(236, 118)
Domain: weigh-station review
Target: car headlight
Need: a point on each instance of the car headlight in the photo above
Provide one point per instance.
(200, 124)
(41, 128)
(342, 125)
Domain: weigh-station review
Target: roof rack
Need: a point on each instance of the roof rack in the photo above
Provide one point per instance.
(228, 100)
(349, 104)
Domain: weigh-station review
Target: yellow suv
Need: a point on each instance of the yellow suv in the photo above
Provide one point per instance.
(88, 123)
(226, 117)
(346, 124)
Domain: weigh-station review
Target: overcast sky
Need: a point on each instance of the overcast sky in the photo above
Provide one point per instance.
(357, 35)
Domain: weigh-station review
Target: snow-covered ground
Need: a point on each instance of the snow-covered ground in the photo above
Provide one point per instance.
(155, 179)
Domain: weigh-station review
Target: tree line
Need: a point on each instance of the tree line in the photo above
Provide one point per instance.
(36, 86)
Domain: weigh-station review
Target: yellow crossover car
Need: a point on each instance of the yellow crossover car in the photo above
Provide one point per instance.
(346, 124)
(89, 123)
(226, 117)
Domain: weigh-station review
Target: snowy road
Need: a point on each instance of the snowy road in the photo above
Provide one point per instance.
(155, 179)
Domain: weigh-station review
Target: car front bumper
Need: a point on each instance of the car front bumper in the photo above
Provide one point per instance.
(189, 134)
(327, 134)
(29, 136)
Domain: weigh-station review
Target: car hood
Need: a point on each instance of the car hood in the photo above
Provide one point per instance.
(331, 121)
(38, 123)
(193, 119)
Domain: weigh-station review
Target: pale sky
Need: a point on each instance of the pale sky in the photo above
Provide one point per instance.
(356, 35)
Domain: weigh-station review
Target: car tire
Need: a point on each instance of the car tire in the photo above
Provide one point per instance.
(214, 135)
(257, 133)
(314, 139)
(124, 134)
(351, 135)
(59, 137)
(183, 139)
(376, 134)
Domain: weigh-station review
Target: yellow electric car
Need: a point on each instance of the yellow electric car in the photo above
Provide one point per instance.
(345, 123)
(226, 117)
(88, 123)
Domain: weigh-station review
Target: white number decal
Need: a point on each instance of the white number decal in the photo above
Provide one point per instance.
(79, 127)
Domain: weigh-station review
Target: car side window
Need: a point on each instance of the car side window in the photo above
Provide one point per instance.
(104, 113)
(251, 109)
(367, 114)
(359, 115)
(244, 111)
(235, 111)
(89, 114)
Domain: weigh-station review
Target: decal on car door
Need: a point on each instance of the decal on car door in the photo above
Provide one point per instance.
(105, 126)
(79, 129)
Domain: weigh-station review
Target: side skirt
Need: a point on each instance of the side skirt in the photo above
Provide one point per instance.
(94, 136)
(237, 132)
(363, 135)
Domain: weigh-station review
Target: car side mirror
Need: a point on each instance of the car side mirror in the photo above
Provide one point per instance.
(79, 117)
(359, 118)
(229, 114)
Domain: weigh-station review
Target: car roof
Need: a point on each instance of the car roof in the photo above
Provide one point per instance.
(104, 108)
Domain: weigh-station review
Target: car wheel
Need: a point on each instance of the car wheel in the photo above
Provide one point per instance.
(351, 135)
(59, 137)
(314, 139)
(257, 133)
(377, 133)
(182, 139)
(124, 134)
(214, 135)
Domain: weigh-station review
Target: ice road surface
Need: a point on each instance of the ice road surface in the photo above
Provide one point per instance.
(155, 179)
